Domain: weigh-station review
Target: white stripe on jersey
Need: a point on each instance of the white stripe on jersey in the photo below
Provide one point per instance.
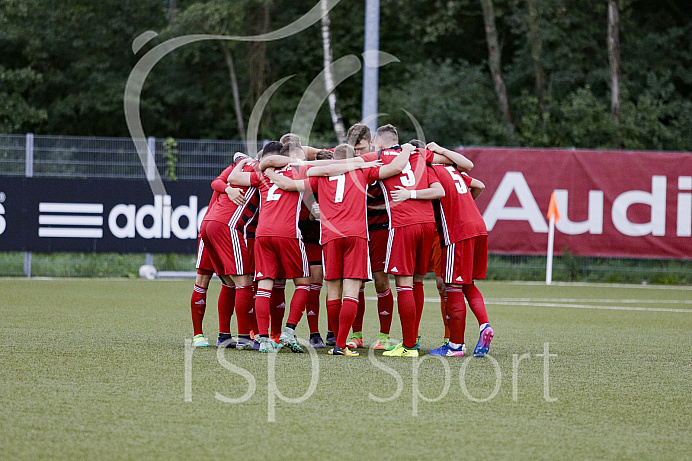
(445, 229)
(237, 251)
(386, 203)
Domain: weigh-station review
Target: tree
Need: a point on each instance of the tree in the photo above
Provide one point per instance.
(614, 60)
(334, 111)
(495, 64)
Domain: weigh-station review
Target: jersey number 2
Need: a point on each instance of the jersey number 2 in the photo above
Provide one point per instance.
(272, 195)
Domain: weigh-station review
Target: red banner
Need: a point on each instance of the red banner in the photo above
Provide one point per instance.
(611, 203)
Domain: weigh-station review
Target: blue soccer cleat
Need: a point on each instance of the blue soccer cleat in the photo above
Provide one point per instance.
(484, 341)
(447, 351)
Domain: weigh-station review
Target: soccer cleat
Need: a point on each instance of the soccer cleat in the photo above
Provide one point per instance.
(275, 337)
(226, 340)
(354, 342)
(316, 342)
(245, 344)
(336, 350)
(266, 345)
(331, 339)
(401, 351)
(484, 341)
(200, 341)
(417, 347)
(447, 351)
(290, 342)
(383, 343)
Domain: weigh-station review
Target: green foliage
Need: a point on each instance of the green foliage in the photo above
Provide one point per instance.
(64, 69)
(171, 158)
(16, 113)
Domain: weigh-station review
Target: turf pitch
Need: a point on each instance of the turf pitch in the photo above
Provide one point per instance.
(94, 368)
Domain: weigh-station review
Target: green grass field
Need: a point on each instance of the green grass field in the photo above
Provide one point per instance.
(96, 369)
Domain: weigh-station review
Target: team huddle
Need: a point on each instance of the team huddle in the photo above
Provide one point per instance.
(365, 210)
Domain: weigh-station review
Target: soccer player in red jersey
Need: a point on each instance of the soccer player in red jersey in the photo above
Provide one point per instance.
(205, 271)
(344, 232)
(464, 257)
(223, 239)
(411, 230)
(360, 138)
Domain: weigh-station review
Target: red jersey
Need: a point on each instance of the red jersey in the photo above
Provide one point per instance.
(459, 216)
(343, 203)
(279, 210)
(221, 209)
(413, 177)
(377, 210)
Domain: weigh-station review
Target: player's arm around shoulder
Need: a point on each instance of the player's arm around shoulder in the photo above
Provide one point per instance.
(476, 187)
(284, 182)
(238, 177)
(443, 155)
(398, 164)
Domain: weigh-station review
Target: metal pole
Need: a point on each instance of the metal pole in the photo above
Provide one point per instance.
(371, 69)
(151, 158)
(29, 173)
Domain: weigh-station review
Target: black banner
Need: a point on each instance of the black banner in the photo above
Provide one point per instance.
(106, 215)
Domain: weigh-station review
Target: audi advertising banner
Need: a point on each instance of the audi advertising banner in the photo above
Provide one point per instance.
(105, 215)
(613, 204)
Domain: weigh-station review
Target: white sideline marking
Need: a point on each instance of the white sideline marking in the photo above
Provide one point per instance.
(541, 302)
(574, 300)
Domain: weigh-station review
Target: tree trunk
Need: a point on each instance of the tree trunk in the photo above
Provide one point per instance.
(536, 51)
(495, 64)
(236, 92)
(614, 59)
(337, 120)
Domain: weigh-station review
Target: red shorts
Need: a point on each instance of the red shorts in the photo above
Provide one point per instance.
(346, 258)
(203, 264)
(436, 257)
(466, 260)
(314, 252)
(226, 248)
(280, 256)
(250, 243)
(409, 248)
(377, 245)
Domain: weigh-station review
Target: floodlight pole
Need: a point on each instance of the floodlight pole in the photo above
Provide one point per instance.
(371, 69)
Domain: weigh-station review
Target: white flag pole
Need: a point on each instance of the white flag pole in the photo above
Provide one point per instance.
(549, 262)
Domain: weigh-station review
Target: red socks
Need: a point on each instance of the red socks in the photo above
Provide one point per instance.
(419, 296)
(476, 303)
(262, 311)
(333, 310)
(407, 313)
(244, 309)
(225, 307)
(349, 309)
(298, 302)
(198, 304)
(445, 317)
(277, 308)
(313, 307)
(358, 321)
(385, 306)
(456, 310)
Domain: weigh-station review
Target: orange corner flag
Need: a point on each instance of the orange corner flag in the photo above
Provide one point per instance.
(553, 210)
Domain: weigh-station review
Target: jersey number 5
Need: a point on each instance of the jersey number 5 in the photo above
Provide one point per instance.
(340, 183)
(458, 180)
(410, 178)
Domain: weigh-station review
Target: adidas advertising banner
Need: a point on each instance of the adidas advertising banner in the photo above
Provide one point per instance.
(105, 215)
(611, 203)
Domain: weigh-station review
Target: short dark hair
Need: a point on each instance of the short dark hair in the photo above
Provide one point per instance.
(357, 133)
(324, 154)
(389, 133)
(343, 151)
(272, 148)
(417, 143)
